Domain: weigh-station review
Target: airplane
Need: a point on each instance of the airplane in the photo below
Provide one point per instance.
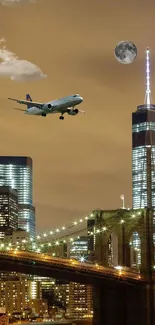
(62, 106)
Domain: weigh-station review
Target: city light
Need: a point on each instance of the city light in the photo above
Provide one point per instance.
(118, 267)
(82, 259)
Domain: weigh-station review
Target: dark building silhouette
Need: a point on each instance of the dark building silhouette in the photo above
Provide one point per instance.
(8, 210)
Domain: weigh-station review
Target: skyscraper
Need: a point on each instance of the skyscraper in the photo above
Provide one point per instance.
(8, 210)
(143, 149)
(17, 173)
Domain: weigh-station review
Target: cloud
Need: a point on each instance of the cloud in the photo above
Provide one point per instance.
(13, 2)
(15, 69)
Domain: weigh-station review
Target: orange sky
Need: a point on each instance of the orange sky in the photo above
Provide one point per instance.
(83, 162)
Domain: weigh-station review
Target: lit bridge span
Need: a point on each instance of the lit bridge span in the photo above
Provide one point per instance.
(68, 269)
(112, 289)
(122, 222)
(120, 296)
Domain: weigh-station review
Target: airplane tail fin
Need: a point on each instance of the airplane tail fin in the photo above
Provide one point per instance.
(28, 98)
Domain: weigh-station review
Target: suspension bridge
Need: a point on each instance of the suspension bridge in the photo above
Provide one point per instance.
(113, 285)
(126, 223)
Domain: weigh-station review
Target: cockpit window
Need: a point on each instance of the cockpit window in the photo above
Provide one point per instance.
(75, 95)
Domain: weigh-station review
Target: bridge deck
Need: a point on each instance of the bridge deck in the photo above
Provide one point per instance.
(61, 268)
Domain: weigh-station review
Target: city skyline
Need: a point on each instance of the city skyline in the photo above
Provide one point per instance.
(78, 163)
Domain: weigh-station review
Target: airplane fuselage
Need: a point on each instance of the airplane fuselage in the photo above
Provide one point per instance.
(56, 106)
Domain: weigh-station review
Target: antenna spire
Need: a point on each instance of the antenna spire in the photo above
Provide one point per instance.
(148, 89)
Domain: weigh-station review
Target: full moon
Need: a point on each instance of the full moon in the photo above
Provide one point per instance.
(125, 52)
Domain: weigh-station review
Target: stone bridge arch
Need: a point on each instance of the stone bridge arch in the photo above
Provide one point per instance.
(135, 249)
(106, 243)
(120, 225)
(106, 248)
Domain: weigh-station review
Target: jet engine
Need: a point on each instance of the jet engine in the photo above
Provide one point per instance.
(73, 111)
(48, 106)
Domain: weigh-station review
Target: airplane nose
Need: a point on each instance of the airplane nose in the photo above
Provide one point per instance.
(81, 99)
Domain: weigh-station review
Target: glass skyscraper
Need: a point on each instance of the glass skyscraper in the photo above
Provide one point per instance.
(143, 157)
(17, 173)
(143, 150)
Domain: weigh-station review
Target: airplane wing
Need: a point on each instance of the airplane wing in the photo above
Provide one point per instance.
(27, 102)
(20, 109)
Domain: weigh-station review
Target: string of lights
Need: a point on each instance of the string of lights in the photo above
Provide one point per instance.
(61, 229)
(148, 88)
(39, 247)
(91, 231)
(56, 242)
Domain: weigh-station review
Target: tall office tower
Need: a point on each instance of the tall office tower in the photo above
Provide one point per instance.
(17, 173)
(143, 154)
(8, 210)
(143, 149)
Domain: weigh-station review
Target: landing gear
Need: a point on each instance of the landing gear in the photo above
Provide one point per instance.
(61, 117)
(43, 114)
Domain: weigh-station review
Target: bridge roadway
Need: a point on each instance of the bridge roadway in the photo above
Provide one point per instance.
(62, 268)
